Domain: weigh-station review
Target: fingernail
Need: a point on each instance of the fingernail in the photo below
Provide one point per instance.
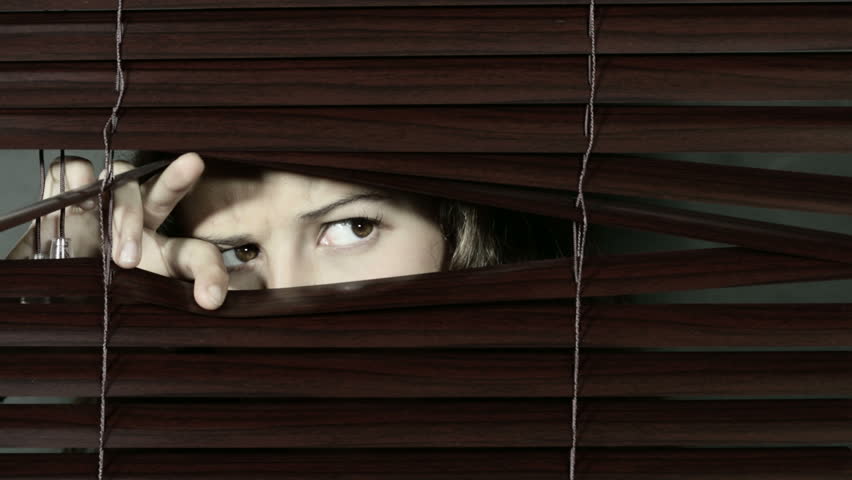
(129, 252)
(216, 294)
(88, 204)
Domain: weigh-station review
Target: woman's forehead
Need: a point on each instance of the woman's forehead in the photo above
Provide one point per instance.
(240, 192)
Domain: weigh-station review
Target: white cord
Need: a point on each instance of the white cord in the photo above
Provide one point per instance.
(580, 236)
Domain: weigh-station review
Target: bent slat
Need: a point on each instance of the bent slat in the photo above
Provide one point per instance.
(545, 279)
(614, 174)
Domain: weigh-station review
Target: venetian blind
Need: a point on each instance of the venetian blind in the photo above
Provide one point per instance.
(460, 374)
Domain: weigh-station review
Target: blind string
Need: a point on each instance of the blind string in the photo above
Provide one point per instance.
(37, 233)
(61, 191)
(580, 235)
(106, 227)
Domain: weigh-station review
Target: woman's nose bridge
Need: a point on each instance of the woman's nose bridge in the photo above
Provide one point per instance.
(286, 268)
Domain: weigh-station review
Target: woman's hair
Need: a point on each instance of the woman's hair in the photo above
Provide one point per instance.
(477, 236)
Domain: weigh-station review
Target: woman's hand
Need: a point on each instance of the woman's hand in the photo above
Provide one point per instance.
(137, 213)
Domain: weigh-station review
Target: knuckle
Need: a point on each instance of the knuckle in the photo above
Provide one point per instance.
(157, 210)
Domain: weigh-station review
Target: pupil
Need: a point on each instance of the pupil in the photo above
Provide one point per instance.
(361, 227)
(245, 252)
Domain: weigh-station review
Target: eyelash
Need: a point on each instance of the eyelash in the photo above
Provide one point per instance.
(375, 220)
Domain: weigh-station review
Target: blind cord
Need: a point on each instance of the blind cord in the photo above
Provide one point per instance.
(61, 191)
(580, 236)
(37, 233)
(106, 227)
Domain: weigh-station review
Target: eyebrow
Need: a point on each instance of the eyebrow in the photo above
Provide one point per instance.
(232, 241)
(235, 240)
(320, 212)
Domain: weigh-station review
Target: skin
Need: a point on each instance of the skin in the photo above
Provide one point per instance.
(249, 228)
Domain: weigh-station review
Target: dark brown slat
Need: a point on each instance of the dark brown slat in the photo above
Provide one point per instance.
(432, 423)
(363, 81)
(425, 81)
(482, 129)
(320, 32)
(556, 172)
(429, 374)
(715, 464)
(724, 229)
(505, 325)
(816, 77)
(678, 180)
(715, 325)
(543, 280)
(426, 31)
(621, 275)
(76, 277)
(723, 28)
(87, 5)
(541, 324)
(639, 176)
(445, 464)
(603, 276)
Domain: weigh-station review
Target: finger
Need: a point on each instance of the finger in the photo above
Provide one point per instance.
(165, 191)
(24, 248)
(196, 259)
(79, 172)
(127, 219)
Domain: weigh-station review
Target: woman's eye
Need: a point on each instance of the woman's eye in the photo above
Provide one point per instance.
(234, 257)
(347, 232)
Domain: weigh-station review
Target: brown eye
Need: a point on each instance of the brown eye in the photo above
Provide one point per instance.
(361, 227)
(244, 253)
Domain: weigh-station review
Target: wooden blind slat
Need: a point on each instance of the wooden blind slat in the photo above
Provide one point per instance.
(314, 423)
(620, 175)
(444, 464)
(483, 129)
(86, 5)
(400, 31)
(615, 275)
(538, 324)
(764, 236)
(401, 81)
(76, 277)
(666, 179)
(422, 374)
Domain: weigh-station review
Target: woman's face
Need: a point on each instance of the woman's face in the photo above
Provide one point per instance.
(278, 229)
